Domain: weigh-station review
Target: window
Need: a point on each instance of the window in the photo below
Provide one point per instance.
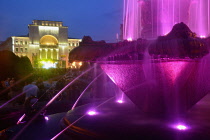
(16, 41)
(26, 49)
(26, 42)
(72, 44)
(16, 49)
(21, 49)
(21, 42)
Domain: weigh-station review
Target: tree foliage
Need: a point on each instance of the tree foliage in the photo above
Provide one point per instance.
(14, 66)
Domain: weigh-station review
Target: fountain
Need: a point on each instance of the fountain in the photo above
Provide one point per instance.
(151, 18)
(169, 75)
(164, 73)
(160, 74)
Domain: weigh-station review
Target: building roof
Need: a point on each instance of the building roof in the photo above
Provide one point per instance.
(73, 38)
(24, 35)
(47, 20)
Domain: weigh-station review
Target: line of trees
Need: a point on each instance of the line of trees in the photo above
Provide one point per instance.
(14, 66)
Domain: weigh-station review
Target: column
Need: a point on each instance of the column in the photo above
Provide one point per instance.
(40, 53)
(46, 52)
(57, 54)
(52, 54)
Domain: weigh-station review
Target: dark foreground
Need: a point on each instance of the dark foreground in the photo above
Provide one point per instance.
(116, 121)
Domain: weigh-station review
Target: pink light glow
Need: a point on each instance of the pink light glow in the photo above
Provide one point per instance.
(91, 113)
(120, 101)
(181, 127)
(166, 33)
(130, 19)
(202, 36)
(129, 39)
(46, 118)
(173, 69)
(164, 14)
(111, 79)
(21, 118)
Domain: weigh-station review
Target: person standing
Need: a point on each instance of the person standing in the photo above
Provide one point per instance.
(14, 90)
(40, 85)
(31, 92)
(5, 91)
(7, 82)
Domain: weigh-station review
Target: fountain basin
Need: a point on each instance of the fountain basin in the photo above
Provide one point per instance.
(124, 121)
(161, 86)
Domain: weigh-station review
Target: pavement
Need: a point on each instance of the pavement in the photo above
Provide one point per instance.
(39, 129)
(114, 121)
(9, 114)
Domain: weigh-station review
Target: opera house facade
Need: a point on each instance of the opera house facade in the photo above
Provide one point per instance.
(46, 45)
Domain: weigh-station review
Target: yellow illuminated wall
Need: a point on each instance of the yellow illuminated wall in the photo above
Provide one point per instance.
(47, 44)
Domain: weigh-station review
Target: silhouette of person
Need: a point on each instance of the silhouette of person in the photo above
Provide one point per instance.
(30, 91)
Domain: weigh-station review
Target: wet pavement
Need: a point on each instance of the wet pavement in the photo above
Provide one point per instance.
(114, 121)
(9, 115)
(40, 129)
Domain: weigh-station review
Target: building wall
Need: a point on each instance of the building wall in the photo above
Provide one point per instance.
(20, 46)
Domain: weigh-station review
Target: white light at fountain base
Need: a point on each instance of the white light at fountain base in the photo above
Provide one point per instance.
(129, 39)
(46, 118)
(91, 113)
(166, 33)
(120, 101)
(181, 127)
(202, 36)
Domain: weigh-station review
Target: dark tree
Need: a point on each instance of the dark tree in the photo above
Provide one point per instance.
(24, 66)
(14, 66)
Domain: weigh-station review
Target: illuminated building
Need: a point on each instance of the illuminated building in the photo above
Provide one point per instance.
(46, 45)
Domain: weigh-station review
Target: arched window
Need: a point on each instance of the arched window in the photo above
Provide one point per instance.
(49, 40)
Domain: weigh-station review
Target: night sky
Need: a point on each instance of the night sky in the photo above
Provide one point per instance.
(99, 19)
